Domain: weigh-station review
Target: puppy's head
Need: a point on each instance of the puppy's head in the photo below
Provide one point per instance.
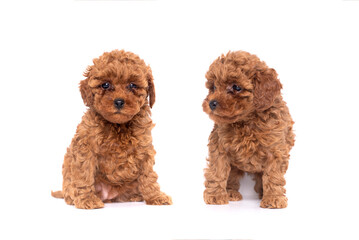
(239, 84)
(117, 86)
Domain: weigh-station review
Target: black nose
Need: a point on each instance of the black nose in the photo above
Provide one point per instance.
(213, 104)
(119, 103)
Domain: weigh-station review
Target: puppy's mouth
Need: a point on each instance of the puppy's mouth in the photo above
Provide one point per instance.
(119, 112)
(123, 114)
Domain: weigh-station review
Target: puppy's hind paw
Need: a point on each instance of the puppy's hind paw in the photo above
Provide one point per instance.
(136, 198)
(162, 199)
(90, 201)
(234, 195)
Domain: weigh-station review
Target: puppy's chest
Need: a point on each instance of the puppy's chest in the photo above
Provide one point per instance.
(243, 148)
(117, 157)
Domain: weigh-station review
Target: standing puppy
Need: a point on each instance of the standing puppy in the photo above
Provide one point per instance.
(111, 156)
(252, 131)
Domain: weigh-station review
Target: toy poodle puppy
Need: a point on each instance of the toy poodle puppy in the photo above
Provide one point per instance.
(252, 130)
(111, 156)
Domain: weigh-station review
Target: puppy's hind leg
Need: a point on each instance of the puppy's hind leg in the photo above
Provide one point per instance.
(258, 187)
(67, 193)
(127, 193)
(66, 172)
(233, 184)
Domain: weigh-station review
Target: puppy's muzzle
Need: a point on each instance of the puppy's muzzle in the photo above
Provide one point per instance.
(213, 104)
(119, 103)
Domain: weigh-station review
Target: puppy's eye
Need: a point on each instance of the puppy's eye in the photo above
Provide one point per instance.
(213, 88)
(132, 86)
(236, 88)
(106, 85)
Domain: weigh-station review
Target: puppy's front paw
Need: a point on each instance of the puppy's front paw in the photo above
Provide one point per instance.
(161, 199)
(218, 199)
(234, 195)
(90, 201)
(274, 202)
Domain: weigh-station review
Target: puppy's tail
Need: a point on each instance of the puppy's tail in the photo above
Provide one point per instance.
(57, 194)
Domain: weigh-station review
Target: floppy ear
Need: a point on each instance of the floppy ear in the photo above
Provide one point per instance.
(266, 88)
(86, 92)
(85, 89)
(151, 88)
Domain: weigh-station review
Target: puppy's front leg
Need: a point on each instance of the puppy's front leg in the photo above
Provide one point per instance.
(83, 168)
(216, 175)
(274, 181)
(149, 187)
(217, 172)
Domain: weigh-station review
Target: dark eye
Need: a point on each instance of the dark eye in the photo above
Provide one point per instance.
(236, 88)
(106, 85)
(213, 88)
(132, 86)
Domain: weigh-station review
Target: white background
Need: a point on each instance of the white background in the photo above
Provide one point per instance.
(46, 46)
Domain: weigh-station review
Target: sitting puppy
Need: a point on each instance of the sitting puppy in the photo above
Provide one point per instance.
(252, 131)
(111, 156)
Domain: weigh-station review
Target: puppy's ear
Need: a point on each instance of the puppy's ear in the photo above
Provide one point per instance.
(85, 89)
(151, 88)
(266, 88)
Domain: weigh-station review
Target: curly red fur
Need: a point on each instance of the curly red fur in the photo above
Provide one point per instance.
(252, 131)
(111, 156)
